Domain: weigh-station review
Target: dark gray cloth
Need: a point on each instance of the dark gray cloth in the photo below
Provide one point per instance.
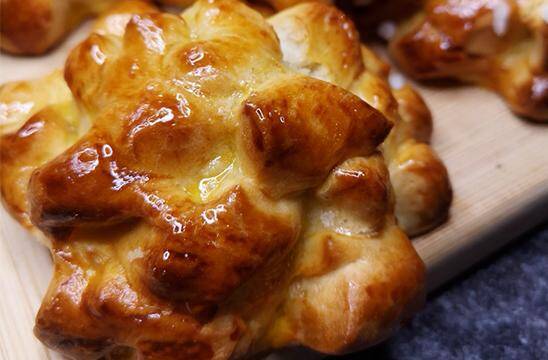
(499, 310)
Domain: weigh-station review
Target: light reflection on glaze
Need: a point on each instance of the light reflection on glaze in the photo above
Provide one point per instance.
(351, 172)
(128, 297)
(121, 178)
(162, 115)
(85, 161)
(88, 159)
(539, 87)
(409, 163)
(213, 12)
(183, 105)
(192, 87)
(134, 68)
(260, 114)
(160, 205)
(195, 56)
(9, 112)
(204, 72)
(396, 80)
(152, 34)
(115, 24)
(177, 226)
(135, 254)
(154, 316)
(344, 223)
(330, 220)
(211, 216)
(460, 8)
(107, 151)
(97, 55)
(209, 184)
(501, 14)
(31, 129)
(75, 285)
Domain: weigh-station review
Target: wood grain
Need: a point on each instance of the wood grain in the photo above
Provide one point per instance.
(497, 162)
(498, 165)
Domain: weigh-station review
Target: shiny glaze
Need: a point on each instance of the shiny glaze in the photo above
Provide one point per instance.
(290, 156)
(36, 125)
(422, 197)
(137, 154)
(358, 186)
(501, 44)
(186, 220)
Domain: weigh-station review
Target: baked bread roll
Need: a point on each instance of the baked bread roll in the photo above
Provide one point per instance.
(38, 121)
(500, 44)
(207, 199)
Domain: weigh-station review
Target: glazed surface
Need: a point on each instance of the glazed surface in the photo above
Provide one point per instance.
(501, 44)
(216, 187)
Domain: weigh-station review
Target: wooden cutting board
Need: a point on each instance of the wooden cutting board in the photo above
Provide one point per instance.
(498, 166)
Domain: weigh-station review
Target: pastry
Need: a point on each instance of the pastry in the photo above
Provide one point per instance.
(500, 44)
(209, 196)
(38, 121)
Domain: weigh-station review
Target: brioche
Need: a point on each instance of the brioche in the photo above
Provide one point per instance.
(500, 44)
(212, 188)
(35, 125)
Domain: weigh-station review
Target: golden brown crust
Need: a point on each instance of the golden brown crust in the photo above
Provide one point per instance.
(422, 197)
(293, 143)
(359, 185)
(364, 308)
(419, 177)
(501, 44)
(36, 125)
(220, 203)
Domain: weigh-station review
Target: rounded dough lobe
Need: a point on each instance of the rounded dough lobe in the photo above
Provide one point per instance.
(298, 129)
